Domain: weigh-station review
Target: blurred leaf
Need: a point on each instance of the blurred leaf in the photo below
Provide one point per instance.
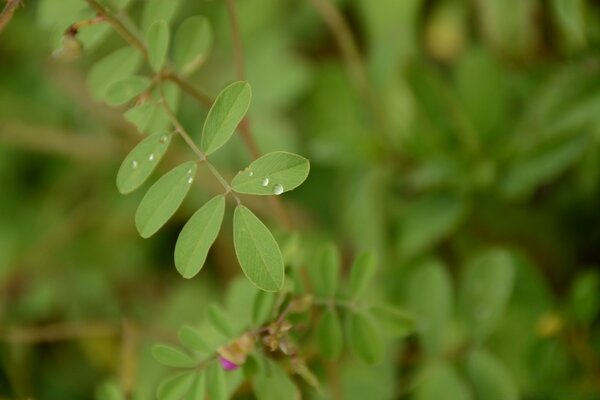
(115, 66)
(490, 379)
(109, 391)
(140, 115)
(164, 198)
(329, 334)
(124, 90)
(585, 296)
(362, 273)
(198, 390)
(155, 10)
(192, 339)
(172, 357)
(224, 116)
(363, 338)
(192, 44)
(157, 38)
(257, 251)
(262, 308)
(485, 291)
(273, 173)
(141, 161)
(324, 271)
(395, 322)
(219, 319)
(197, 237)
(272, 383)
(430, 300)
(216, 384)
(176, 386)
(440, 381)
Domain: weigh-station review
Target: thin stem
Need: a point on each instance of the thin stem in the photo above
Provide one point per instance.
(8, 12)
(119, 27)
(236, 38)
(197, 94)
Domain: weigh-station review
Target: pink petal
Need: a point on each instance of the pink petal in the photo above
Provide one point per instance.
(228, 365)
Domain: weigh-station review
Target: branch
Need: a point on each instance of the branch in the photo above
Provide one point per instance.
(8, 12)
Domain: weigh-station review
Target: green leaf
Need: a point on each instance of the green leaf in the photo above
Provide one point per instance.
(393, 321)
(123, 90)
(141, 162)
(225, 115)
(363, 339)
(430, 300)
(362, 273)
(257, 251)
(216, 383)
(172, 357)
(156, 10)
(157, 39)
(198, 390)
(109, 391)
(584, 298)
(274, 173)
(192, 339)
(140, 115)
(272, 383)
(164, 198)
(262, 307)
(324, 272)
(197, 236)
(329, 334)
(440, 381)
(175, 386)
(486, 288)
(219, 320)
(490, 379)
(192, 44)
(112, 68)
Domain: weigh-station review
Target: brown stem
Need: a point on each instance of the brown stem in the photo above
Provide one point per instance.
(236, 38)
(8, 12)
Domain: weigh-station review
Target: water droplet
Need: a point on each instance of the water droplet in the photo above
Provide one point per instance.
(265, 181)
(277, 189)
(134, 164)
(190, 179)
(250, 173)
(189, 171)
(163, 138)
(151, 157)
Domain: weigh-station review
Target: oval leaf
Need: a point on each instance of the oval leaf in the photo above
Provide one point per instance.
(363, 339)
(272, 383)
(274, 173)
(325, 271)
(486, 288)
(171, 357)
(175, 387)
(393, 321)
(218, 319)
(329, 334)
(141, 162)
(490, 379)
(257, 251)
(198, 390)
(224, 116)
(216, 383)
(112, 68)
(197, 236)
(362, 273)
(140, 115)
(125, 89)
(192, 44)
(440, 381)
(157, 38)
(164, 198)
(191, 338)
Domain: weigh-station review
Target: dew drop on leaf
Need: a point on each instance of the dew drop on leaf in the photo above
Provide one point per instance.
(151, 157)
(134, 164)
(265, 181)
(277, 189)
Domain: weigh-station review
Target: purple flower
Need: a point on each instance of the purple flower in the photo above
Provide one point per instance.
(228, 365)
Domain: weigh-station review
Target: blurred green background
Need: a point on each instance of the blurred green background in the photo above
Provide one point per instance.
(456, 126)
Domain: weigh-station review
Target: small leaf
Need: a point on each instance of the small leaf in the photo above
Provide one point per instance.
(224, 116)
(257, 251)
(272, 383)
(262, 307)
(172, 357)
(197, 236)
(141, 162)
(191, 338)
(329, 334)
(219, 320)
(175, 386)
(216, 383)
(363, 339)
(440, 381)
(395, 322)
(584, 298)
(325, 272)
(112, 68)
(164, 198)
(274, 173)
(140, 115)
(157, 38)
(192, 44)
(490, 379)
(486, 288)
(125, 89)
(109, 391)
(198, 390)
(156, 10)
(362, 273)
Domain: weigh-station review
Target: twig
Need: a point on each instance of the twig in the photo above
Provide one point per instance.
(8, 12)
(236, 38)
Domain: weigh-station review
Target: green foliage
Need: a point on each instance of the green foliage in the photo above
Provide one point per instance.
(124, 90)
(191, 44)
(490, 379)
(157, 38)
(363, 339)
(272, 383)
(171, 357)
(330, 334)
